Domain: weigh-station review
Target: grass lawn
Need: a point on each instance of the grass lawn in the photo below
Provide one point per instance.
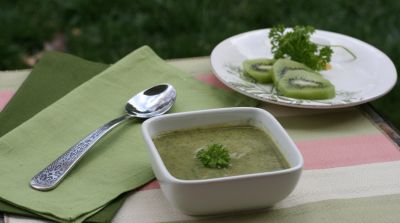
(105, 31)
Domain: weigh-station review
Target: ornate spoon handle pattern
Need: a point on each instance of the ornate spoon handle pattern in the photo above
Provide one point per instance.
(51, 175)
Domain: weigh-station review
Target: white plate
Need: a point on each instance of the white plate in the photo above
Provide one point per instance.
(357, 80)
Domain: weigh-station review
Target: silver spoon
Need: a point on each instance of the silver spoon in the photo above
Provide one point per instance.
(151, 102)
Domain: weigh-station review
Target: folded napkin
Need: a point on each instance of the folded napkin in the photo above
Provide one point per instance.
(119, 163)
(59, 73)
(55, 75)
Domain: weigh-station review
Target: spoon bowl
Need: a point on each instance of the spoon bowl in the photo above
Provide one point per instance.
(151, 102)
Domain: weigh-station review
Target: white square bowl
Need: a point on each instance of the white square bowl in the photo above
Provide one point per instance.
(225, 194)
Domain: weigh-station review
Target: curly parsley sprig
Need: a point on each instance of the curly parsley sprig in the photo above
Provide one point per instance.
(296, 45)
(214, 156)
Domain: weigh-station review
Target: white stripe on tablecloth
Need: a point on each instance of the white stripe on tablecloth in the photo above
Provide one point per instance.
(345, 182)
(314, 185)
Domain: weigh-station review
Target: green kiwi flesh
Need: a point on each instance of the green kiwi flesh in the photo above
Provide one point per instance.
(305, 85)
(259, 69)
(282, 66)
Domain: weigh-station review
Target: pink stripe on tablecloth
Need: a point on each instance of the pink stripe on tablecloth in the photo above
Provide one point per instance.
(152, 185)
(347, 151)
(5, 96)
(212, 80)
(339, 152)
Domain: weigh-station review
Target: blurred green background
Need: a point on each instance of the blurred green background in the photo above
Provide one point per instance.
(105, 31)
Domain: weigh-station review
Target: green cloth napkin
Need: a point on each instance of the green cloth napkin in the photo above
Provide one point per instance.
(55, 75)
(44, 85)
(119, 163)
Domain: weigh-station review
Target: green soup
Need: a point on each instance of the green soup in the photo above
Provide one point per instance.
(251, 151)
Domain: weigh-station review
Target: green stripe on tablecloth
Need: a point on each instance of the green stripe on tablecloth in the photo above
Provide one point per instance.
(328, 125)
(358, 210)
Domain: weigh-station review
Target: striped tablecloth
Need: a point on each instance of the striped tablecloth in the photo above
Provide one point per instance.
(352, 166)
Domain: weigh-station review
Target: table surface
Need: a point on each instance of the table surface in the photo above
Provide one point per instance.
(358, 143)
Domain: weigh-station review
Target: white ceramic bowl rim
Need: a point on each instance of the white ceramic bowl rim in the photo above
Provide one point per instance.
(218, 179)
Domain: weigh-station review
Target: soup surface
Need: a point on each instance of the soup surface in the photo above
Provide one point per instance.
(251, 151)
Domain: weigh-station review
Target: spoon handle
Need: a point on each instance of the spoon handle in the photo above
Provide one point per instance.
(50, 176)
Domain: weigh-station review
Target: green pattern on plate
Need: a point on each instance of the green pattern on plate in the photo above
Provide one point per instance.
(250, 87)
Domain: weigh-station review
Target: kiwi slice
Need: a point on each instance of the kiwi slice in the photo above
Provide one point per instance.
(259, 69)
(282, 66)
(305, 85)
